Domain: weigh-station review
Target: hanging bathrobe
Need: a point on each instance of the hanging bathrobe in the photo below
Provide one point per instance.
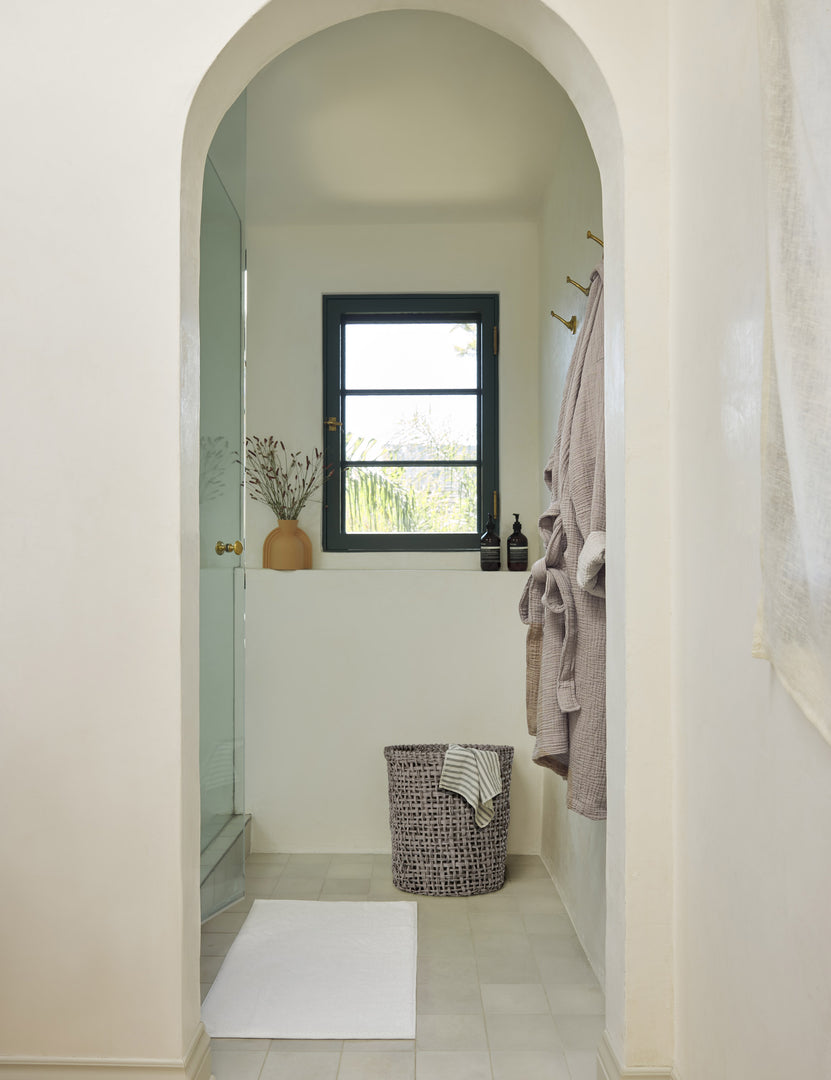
(564, 601)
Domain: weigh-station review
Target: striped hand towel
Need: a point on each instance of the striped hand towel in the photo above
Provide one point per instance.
(473, 774)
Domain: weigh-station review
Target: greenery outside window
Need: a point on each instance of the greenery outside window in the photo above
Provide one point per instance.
(410, 421)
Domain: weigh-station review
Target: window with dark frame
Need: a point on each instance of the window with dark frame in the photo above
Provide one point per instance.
(410, 421)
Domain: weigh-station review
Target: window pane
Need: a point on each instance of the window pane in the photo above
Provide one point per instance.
(410, 427)
(391, 499)
(414, 356)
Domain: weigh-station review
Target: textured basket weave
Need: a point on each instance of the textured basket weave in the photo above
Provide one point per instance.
(437, 850)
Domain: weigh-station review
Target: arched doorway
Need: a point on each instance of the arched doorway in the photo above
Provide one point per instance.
(639, 910)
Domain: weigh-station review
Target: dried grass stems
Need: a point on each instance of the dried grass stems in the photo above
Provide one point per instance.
(284, 480)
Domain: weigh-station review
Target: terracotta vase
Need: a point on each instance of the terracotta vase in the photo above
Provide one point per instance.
(287, 548)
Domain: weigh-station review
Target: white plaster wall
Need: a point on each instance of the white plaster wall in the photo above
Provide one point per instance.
(289, 270)
(573, 847)
(753, 825)
(466, 128)
(100, 830)
(228, 153)
(342, 663)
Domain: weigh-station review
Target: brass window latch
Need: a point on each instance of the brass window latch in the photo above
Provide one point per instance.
(332, 423)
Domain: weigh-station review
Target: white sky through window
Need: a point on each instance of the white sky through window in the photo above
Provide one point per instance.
(412, 356)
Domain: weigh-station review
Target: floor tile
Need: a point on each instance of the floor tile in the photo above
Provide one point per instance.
(443, 922)
(501, 945)
(379, 889)
(378, 1046)
(497, 922)
(580, 1032)
(259, 870)
(570, 1000)
(448, 996)
(517, 1032)
(445, 943)
(266, 858)
(529, 1065)
(340, 898)
(243, 905)
(562, 945)
(582, 1064)
(451, 1032)
(216, 944)
(345, 887)
(262, 887)
(493, 902)
(520, 968)
(526, 866)
(505, 958)
(306, 1046)
(532, 886)
(209, 968)
(240, 1044)
(545, 922)
(299, 1066)
(453, 1065)
(229, 922)
(307, 866)
(380, 1066)
(533, 892)
(298, 888)
(349, 868)
(237, 1064)
(512, 998)
(539, 904)
(441, 903)
(437, 967)
(564, 969)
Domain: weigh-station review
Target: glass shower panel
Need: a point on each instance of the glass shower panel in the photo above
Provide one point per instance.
(221, 576)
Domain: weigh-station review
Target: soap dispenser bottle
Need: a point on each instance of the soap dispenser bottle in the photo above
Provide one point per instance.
(517, 547)
(489, 547)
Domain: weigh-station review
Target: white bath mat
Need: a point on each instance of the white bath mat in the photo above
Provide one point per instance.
(308, 969)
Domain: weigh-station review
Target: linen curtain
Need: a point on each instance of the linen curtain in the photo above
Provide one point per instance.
(793, 629)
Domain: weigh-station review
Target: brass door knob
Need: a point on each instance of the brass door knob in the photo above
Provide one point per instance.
(221, 548)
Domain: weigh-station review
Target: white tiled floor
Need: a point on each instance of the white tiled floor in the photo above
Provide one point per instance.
(504, 990)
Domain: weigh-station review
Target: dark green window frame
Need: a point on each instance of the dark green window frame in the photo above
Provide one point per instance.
(338, 312)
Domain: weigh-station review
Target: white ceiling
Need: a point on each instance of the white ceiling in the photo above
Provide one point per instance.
(402, 116)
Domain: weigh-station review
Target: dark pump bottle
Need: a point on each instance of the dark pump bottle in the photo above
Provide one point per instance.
(489, 555)
(517, 547)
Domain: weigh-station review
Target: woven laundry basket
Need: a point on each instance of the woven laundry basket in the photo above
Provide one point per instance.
(437, 849)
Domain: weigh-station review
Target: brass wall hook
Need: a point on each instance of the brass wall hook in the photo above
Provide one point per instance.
(590, 236)
(577, 285)
(570, 323)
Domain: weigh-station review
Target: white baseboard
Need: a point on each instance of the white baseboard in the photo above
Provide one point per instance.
(195, 1066)
(609, 1068)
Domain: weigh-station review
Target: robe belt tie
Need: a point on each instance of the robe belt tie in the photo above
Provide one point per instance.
(548, 588)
